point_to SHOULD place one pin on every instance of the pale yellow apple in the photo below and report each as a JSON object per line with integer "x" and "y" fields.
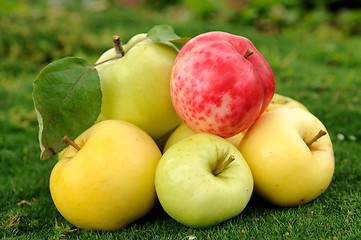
{"x": 60, "y": 154}
{"x": 203, "y": 180}
{"x": 109, "y": 182}
{"x": 136, "y": 87}
{"x": 288, "y": 169}
{"x": 182, "y": 131}
{"x": 279, "y": 101}
{"x": 236, "y": 139}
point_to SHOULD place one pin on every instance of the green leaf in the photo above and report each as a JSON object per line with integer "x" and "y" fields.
{"x": 162, "y": 33}
{"x": 67, "y": 99}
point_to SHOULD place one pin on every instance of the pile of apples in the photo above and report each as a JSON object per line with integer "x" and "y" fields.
{"x": 198, "y": 129}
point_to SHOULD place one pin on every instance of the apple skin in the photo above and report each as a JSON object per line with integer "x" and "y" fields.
{"x": 136, "y": 87}
{"x": 215, "y": 89}
{"x": 188, "y": 190}
{"x": 109, "y": 183}
{"x": 182, "y": 131}
{"x": 279, "y": 101}
{"x": 60, "y": 154}
{"x": 286, "y": 171}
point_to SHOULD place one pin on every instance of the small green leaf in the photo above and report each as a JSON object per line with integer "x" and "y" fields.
{"x": 162, "y": 33}
{"x": 67, "y": 99}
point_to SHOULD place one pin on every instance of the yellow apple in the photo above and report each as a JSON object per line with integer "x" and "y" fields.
{"x": 109, "y": 182}
{"x": 182, "y": 131}
{"x": 136, "y": 87}
{"x": 279, "y": 101}
{"x": 291, "y": 162}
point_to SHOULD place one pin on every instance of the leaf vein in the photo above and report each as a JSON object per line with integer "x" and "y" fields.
{"x": 63, "y": 101}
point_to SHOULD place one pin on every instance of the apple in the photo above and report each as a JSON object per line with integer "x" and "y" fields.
{"x": 163, "y": 140}
{"x": 220, "y": 83}
{"x": 279, "y": 100}
{"x": 236, "y": 139}
{"x": 136, "y": 86}
{"x": 203, "y": 180}
{"x": 109, "y": 182}
{"x": 182, "y": 131}
{"x": 290, "y": 155}
{"x": 60, "y": 154}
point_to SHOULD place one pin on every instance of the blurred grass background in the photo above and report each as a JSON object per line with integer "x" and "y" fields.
{"x": 313, "y": 48}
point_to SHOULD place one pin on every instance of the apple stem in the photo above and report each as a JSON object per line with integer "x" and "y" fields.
{"x": 70, "y": 142}
{"x": 315, "y": 138}
{"x": 118, "y": 46}
{"x": 248, "y": 53}
{"x": 119, "y": 51}
{"x": 221, "y": 165}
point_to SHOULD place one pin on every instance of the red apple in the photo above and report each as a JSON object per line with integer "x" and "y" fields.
{"x": 220, "y": 83}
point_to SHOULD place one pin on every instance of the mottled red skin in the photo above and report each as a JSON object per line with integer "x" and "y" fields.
{"x": 215, "y": 89}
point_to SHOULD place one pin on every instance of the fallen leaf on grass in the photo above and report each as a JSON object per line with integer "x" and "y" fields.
{"x": 23, "y": 202}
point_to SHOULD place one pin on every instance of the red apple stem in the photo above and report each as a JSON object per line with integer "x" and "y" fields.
{"x": 221, "y": 165}
{"x": 315, "y": 138}
{"x": 71, "y": 143}
{"x": 248, "y": 53}
{"x": 118, "y": 46}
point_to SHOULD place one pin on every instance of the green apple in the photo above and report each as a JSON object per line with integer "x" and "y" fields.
{"x": 136, "y": 87}
{"x": 163, "y": 140}
{"x": 203, "y": 180}
{"x": 182, "y": 131}
{"x": 279, "y": 101}
{"x": 109, "y": 182}
{"x": 290, "y": 155}
{"x": 60, "y": 154}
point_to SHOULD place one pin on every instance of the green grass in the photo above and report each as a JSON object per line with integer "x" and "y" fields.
{"x": 319, "y": 68}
